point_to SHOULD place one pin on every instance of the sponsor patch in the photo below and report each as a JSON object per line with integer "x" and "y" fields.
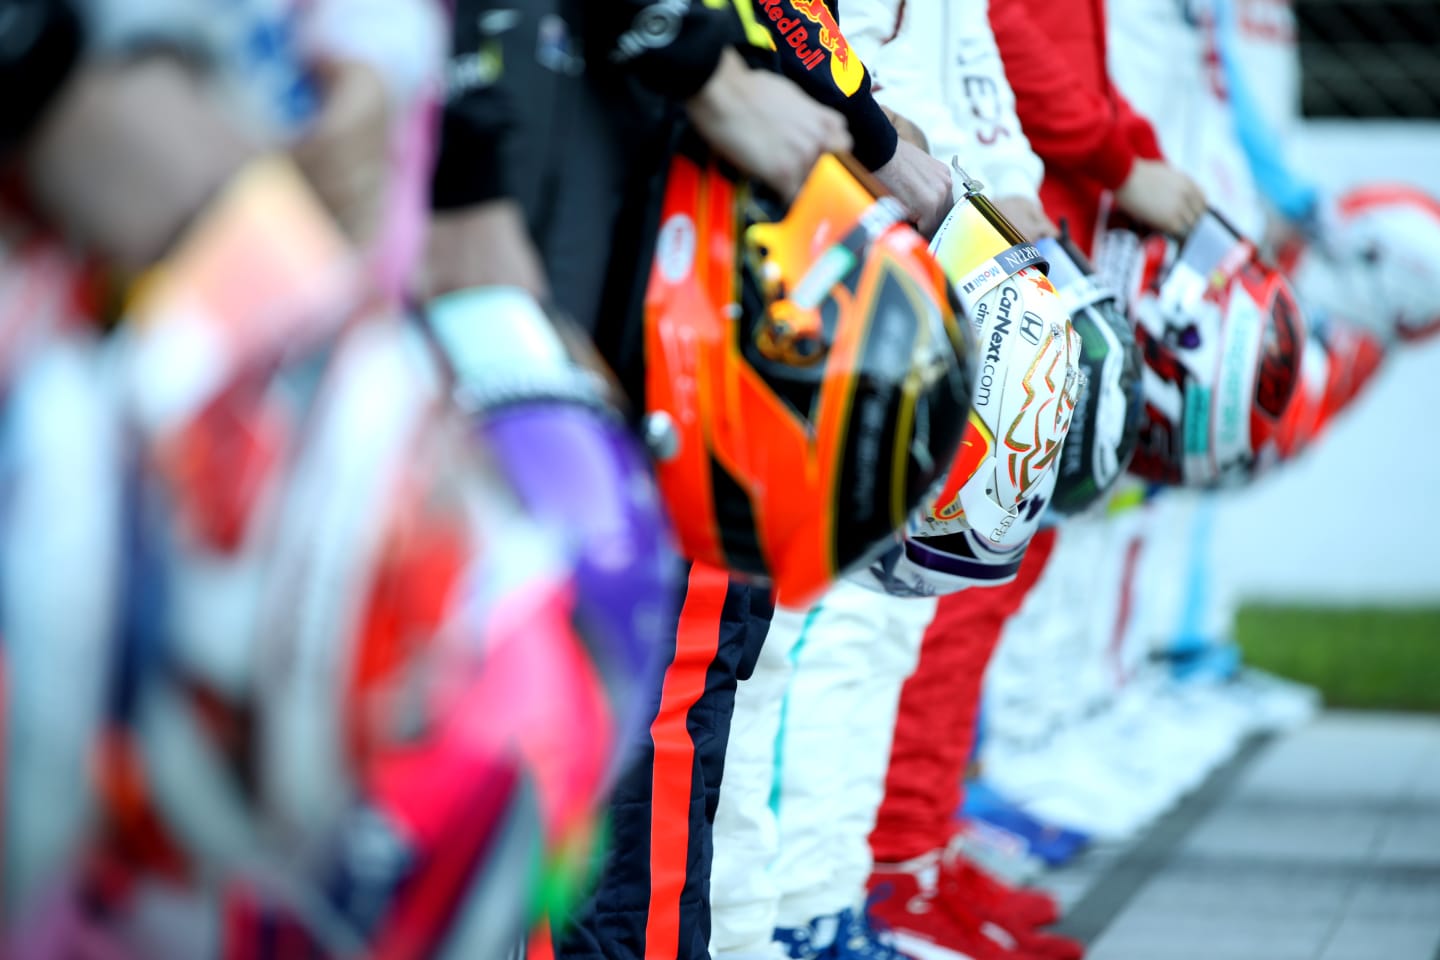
{"x": 675, "y": 248}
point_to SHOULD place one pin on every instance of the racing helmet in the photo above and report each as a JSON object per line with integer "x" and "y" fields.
{"x": 352, "y": 695}
{"x": 806, "y": 379}
{"x": 1223, "y": 340}
{"x": 1305, "y": 415}
{"x": 400, "y": 685}
{"x": 975, "y": 528}
{"x": 1028, "y": 377}
{"x": 936, "y": 566}
{"x": 1339, "y": 361}
{"x": 1379, "y": 263}
{"x": 1107, "y": 419}
{"x": 1354, "y": 355}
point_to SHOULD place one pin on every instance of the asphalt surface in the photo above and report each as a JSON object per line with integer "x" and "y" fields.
{"x": 1321, "y": 844}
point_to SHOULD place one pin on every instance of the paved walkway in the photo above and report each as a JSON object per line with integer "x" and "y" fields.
{"x": 1320, "y": 845}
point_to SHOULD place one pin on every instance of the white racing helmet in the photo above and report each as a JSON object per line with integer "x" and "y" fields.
{"x": 1378, "y": 264}
{"x": 1028, "y": 376}
{"x": 937, "y": 566}
{"x": 973, "y": 530}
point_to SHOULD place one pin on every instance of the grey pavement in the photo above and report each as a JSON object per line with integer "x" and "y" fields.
{"x": 1322, "y": 844}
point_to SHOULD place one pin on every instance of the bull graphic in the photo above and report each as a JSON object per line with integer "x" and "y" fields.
{"x": 845, "y": 67}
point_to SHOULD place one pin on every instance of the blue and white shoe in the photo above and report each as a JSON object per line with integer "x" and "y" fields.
{"x": 859, "y": 940}
{"x": 1052, "y": 844}
{"x": 813, "y": 941}
{"x": 1191, "y": 659}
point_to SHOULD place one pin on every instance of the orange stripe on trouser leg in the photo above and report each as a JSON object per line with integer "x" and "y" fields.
{"x": 697, "y": 640}
{"x": 541, "y": 945}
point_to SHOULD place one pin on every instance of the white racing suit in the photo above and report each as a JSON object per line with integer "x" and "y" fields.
{"x": 1067, "y": 650}
{"x": 935, "y": 62}
{"x": 1219, "y": 79}
{"x": 805, "y": 765}
{"x": 810, "y": 742}
{"x": 1164, "y": 57}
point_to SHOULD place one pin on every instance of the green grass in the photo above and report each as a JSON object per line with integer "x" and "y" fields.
{"x": 1375, "y": 658}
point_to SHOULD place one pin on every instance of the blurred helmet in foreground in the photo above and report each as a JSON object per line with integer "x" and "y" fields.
{"x": 806, "y": 378}
{"x": 546, "y": 411}
{"x": 348, "y": 702}
{"x": 1223, "y": 340}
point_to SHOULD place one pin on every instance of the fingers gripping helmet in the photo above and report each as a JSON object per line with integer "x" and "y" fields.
{"x": 806, "y": 379}
{"x": 1107, "y": 419}
{"x": 1027, "y": 380}
{"x": 1223, "y": 340}
{"x": 1379, "y": 265}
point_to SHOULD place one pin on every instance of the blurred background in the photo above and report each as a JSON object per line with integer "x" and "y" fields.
{"x": 1362, "y": 594}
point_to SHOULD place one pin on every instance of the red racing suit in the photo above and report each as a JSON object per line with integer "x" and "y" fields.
{"x": 1075, "y": 118}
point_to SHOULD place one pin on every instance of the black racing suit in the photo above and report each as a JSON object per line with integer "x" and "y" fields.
{"x": 578, "y": 126}
{"x": 570, "y": 108}
{"x": 40, "y": 42}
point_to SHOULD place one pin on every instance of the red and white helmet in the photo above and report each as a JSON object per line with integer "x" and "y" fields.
{"x": 1340, "y": 360}
{"x": 1379, "y": 263}
{"x": 1354, "y": 355}
{"x": 1305, "y": 416}
{"x": 1223, "y": 339}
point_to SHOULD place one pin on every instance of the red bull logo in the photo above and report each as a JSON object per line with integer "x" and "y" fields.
{"x": 845, "y": 68}
{"x": 974, "y": 450}
{"x": 1041, "y": 281}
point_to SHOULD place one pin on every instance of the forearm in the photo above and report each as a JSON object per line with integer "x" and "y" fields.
{"x": 1072, "y": 128}
{"x": 816, "y": 55}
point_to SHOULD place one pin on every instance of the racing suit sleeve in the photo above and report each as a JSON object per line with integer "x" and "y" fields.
{"x": 817, "y": 56}
{"x": 40, "y": 42}
{"x": 1002, "y": 156}
{"x": 1069, "y": 125}
{"x": 671, "y": 48}
{"x": 476, "y": 114}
